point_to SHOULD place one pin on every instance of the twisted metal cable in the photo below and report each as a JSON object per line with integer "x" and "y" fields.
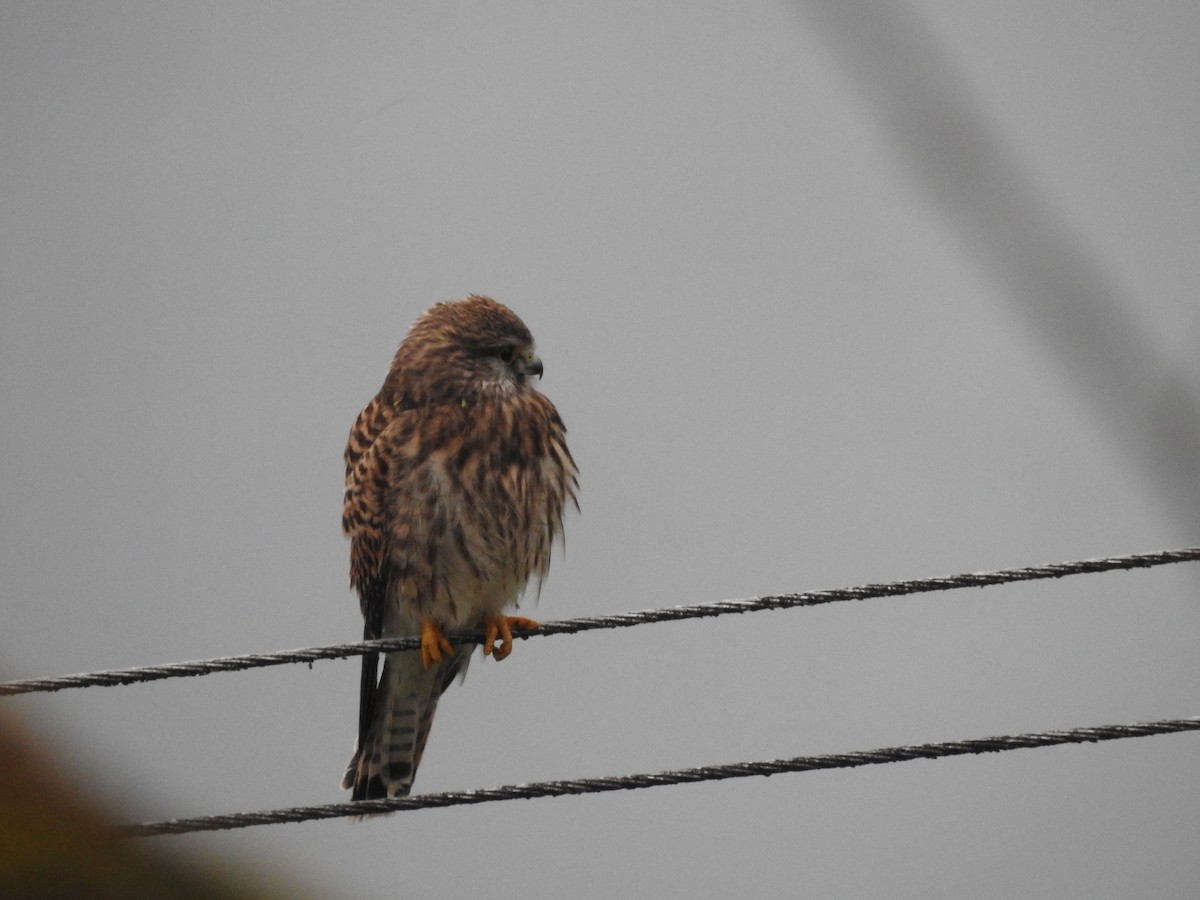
{"x": 677, "y": 776}
{"x": 620, "y": 620}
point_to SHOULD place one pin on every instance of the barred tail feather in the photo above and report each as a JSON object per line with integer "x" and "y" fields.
{"x": 385, "y": 763}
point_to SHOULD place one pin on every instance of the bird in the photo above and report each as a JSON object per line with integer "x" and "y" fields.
{"x": 457, "y": 479}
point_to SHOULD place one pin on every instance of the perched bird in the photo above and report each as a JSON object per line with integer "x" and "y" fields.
{"x": 457, "y": 475}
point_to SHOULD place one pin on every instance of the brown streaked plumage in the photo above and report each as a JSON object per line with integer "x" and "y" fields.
{"x": 457, "y": 475}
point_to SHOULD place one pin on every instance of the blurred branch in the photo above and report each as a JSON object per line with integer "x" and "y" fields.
{"x": 54, "y": 842}
{"x": 978, "y": 184}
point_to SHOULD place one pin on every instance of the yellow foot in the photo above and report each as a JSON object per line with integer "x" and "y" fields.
{"x": 501, "y": 627}
{"x": 434, "y": 646}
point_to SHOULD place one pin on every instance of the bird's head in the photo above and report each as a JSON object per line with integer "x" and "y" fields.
{"x": 465, "y": 349}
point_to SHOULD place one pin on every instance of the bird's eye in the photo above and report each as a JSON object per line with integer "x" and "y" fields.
{"x": 506, "y": 354}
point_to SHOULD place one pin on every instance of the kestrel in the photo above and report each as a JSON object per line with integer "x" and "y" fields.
{"x": 457, "y": 475}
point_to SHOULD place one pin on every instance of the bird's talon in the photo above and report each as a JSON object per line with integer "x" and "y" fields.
{"x": 434, "y": 646}
{"x": 500, "y": 628}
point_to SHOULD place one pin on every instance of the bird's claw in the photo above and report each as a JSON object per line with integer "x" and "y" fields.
{"x": 500, "y": 627}
{"x": 434, "y": 646}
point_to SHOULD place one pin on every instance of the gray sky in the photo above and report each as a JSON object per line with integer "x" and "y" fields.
{"x": 783, "y": 366}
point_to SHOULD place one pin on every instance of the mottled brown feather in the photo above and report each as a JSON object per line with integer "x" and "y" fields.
{"x": 457, "y": 475}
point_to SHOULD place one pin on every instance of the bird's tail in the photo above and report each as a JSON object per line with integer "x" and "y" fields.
{"x": 385, "y": 762}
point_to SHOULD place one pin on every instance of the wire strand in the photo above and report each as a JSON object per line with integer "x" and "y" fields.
{"x": 309, "y": 655}
{"x": 678, "y": 776}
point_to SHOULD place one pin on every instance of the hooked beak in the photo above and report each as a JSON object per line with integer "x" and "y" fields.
{"x": 533, "y": 366}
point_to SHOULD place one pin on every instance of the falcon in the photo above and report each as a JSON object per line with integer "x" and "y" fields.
{"x": 457, "y": 476}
